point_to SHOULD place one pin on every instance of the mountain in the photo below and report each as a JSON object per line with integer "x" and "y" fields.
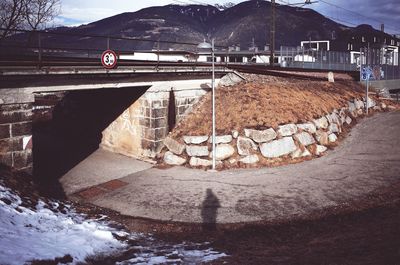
{"x": 244, "y": 24}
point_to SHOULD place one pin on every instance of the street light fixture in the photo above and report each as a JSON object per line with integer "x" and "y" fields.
{"x": 210, "y": 47}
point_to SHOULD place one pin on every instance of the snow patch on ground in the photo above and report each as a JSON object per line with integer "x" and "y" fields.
{"x": 44, "y": 232}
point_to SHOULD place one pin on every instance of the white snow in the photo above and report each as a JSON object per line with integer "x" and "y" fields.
{"x": 44, "y": 232}
{"x": 27, "y": 235}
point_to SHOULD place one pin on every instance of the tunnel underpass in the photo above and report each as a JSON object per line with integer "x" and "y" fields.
{"x": 69, "y": 128}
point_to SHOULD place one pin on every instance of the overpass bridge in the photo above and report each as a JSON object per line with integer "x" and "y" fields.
{"x": 162, "y": 91}
{"x": 167, "y": 89}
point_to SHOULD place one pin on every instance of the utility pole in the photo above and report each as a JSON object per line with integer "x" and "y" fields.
{"x": 272, "y": 35}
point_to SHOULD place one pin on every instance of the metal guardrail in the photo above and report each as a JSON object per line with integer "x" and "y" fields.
{"x": 44, "y": 49}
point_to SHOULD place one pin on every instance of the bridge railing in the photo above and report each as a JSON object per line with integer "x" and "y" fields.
{"x": 61, "y": 43}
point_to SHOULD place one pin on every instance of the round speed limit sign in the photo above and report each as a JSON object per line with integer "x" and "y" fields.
{"x": 109, "y": 59}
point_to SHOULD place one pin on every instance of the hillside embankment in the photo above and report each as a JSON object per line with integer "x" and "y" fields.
{"x": 267, "y": 121}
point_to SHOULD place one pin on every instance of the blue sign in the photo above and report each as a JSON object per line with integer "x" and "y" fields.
{"x": 366, "y": 73}
{"x": 371, "y": 73}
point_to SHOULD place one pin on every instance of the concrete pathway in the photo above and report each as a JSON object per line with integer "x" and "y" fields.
{"x": 98, "y": 168}
{"x": 368, "y": 159}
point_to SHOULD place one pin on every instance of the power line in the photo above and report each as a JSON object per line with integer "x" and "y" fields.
{"x": 347, "y": 10}
{"x": 359, "y": 14}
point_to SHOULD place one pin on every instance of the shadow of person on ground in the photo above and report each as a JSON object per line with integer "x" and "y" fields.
{"x": 209, "y": 211}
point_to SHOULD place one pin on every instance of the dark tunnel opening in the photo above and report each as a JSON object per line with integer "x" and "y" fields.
{"x": 69, "y": 131}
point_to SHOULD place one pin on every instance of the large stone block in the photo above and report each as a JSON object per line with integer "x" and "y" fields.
{"x": 15, "y": 116}
{"x": 245, "y": 146}
{"x": 153, "y": 123}
{"x": 348, "y": 120}
{"x": 159, "y": 113}
{"x": 320, "y": 149}
{"x": 6, "y": 159}
{"x": 223, "y": 151}
{"x": 307, "y": 127}
{"x": 278, "y": 148}
{"x": 352, "y": 106}
{"x": 321, "y": 123}
{"x": 20, "y": 129}
{"x": 250, "y": 159}
{"x": 152, "y": 146}
{"x": 174, "y": 146}
{"x": 359, "y": 104}
{"x": 195, "y": 139}
{"x": 334, "y": 128}
{"x": 304, "y": 138}
{"x": 261, "y": 136}
{"x": 235, "y": 134}
{"x": 156, "y": 104}
{"x": 159, "y": 123}
{"x": 298, "y": 153}
{"x": 287, "y": 130}
{"x": 11, "y": 145}
{"x": 230, "y": 79}
{"x": 322, "y": 137}
{"x": 174, "y": 160}
{"x": 335, "y": 118}
{"x": 194, "y": 150}
{"x": 332, "y": 138}
{"x": 222, "y": 139}
{"x": 154, "y": 134}
{"x": 198, "y": 162}
{"x": 15, "y": 107}
{"x": 23, "y": 159}
{"x": 5, "y": 131}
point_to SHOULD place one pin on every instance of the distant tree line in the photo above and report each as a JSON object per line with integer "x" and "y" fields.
{"x": 26, "y": 14}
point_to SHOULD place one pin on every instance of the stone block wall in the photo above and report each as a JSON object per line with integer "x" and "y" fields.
{"x": 184, "y": 101}
{"x": 252, "y": 146}
{"x": 16, "y": 136}
{"x": 140, "y": 130}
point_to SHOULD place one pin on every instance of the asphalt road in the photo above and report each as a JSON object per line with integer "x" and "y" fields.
{"x": 367, "y": 160}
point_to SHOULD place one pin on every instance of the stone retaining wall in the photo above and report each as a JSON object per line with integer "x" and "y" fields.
{"x": 140, "y": 130}
{"x": 16, "y": 136}
{"x": 289, "y": 141}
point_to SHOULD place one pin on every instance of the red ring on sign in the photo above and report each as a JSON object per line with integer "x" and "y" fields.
{"x": 103, "y": 59}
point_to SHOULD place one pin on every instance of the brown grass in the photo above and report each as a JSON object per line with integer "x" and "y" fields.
{"x": 264, "y": 102}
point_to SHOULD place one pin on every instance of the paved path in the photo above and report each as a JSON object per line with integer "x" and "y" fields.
{"x": 368, "y": 159}
{"x": 100, "y": 167}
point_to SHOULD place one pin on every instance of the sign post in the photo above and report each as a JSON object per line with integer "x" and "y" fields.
{"x": 366, "y": 96}
{"x": 366, "y": 73}
{"x": 109, "y": 59}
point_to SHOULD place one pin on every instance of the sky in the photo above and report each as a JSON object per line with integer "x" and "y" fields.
{"x": 349, "y": 12}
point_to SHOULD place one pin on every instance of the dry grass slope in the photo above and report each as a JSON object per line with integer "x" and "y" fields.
{"x": 265, "y": 102}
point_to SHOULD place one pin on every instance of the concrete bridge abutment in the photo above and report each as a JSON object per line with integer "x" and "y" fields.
{"x": 16, "y": 117}
{"x": 140, "y": 130}
{"x": 137, "y": 132}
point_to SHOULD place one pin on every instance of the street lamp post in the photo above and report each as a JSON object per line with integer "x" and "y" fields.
{"x": 208, "y": 46}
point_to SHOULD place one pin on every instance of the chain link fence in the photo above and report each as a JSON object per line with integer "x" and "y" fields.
{"x": 318, "y": 59}
{"x": 382, "y": 64}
